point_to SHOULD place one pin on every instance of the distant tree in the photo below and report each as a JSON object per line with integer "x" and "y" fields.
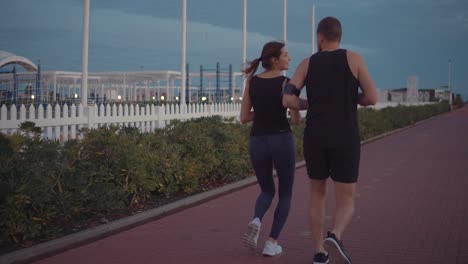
{"x": 30, "y": 129}
{"x": 458, "y": 101}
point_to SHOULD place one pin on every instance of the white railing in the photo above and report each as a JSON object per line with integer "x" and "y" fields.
{"x": 63, "y": 122}
{"x": 381, "y": 105}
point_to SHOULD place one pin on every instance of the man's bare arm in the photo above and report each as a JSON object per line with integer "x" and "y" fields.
{"x": 369, "y": 92}
{"x": 295, "y": 116}
{"x": 291, "y": 100}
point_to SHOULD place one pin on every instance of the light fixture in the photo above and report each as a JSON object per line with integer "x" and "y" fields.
{"x": 32, "y": 96}
{"x": 177, "y": 98}
{"x": 162, "y": 97}
{"x": 203, "y": 98}
{"x": 232, "y": 98}
{"x": 240, "y": 98}
{"x": 119, "y": 97}
{"x": 76, "y": 95}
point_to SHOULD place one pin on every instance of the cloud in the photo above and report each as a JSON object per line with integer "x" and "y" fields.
{"x": 365, "y": 51}
{"x": 462, "y": 20}
{"x": 364, "y": 5}
{"x": 125, "y": 41}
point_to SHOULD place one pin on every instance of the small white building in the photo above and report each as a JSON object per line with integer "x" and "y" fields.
{"x": 412, "y": 94}
{"x": 441, "y": 95}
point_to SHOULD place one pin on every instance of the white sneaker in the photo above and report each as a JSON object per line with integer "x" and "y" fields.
{"x": 250, "y": 238}
{"x": 272, "y": 249}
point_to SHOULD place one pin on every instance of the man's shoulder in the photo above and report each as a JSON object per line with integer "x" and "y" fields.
{"x": 353, "y": 55}
{"x": 305, "y": 62}
{"x": 355, "y": 62}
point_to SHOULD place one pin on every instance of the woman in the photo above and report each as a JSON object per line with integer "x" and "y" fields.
{"x": 271, "y": 141}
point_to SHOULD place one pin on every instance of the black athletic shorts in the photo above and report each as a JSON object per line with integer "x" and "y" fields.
{"x": 338, "y": 161}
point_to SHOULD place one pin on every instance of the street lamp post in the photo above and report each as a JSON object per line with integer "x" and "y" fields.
{"x": 184, "y": 45}
{"x": 84, "y": 77}
{"x": 244, "y": 42}
{"x": 313, "y": 28}
{"x": 450, "y": 81}
{"x": 285, "y": 25}
{"x": 285, "y": 19}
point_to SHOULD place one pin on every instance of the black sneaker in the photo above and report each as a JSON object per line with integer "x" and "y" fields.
{"x": 335, "y": 249}
{"x": 320, "y": 258}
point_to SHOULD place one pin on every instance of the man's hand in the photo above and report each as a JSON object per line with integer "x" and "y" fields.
{"x": 294, "y": 102}
{"x": 291, "y": 100}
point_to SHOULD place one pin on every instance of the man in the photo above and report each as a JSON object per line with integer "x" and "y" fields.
{"x": 332, "y": 78}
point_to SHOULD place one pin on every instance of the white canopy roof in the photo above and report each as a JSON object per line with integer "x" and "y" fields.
{"x": 9, "y": 58}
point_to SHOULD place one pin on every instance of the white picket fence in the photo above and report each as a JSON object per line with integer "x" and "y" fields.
{"x": 63, "y": 122}
{"x": 381, "y": 105}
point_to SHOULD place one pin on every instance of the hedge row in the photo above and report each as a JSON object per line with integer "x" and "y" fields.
{"x": 46, "y": 187}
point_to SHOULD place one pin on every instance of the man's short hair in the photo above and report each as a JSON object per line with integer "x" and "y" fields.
{"x": 330, "y": 28}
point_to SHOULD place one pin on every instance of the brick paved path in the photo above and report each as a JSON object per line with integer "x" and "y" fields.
{"x": 412, "y": 207}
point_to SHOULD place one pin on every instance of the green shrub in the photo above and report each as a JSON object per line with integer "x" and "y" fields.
{"x": 372, "y": 123}
{"x": 47, "y": 187}
{"x": 298, "y": 133}
{"x": 110, "y": 161}
{"x": 458, "y": 102}
{"x": 30, "y": 178}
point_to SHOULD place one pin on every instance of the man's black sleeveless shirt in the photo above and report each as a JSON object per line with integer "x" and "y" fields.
{"x": 332, "y": 93}
{"x": 266, "y": 98}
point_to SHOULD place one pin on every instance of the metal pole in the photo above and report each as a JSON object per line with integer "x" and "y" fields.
{"x": 187, "y": 85}
{"x": 285, "y": 26}
{"x": 244, "y": 35}
{"x": 450, "y": 81}
{"x": 15, "y": 85}
{"x": 101, "y": 93}
{"x": 124, "y": 88}
{"x": 244, "y": 42}
{"x": 218, "y": 91}
{"x": 231, "y": 92}
{"x": 200, "y": 95}
{"x": 285, "y": 18}
{"x": 38, "y": 91}
{"x": 313, "y": 28}
{"x": 184, "y": 43}
{"x": 84, "y": 70}
{"x": 54, "y": 99}
{"x": 168, "y": 92}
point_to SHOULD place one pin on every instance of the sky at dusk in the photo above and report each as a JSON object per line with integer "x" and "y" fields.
{"x": 396, "y": 38}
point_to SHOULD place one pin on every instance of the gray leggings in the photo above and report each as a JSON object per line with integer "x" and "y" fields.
{"x": 277, "y": 149}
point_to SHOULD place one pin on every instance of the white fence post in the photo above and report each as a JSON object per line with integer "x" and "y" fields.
{"x": 22, "y": 117}
{"x": 40, "y": 117}
{"x": 32, "y": 112}
{"x": 3, "y": 117}
{"x": 13, "y": 117}
{"x": 161, "y": 122}
{"x": 66, "y": 116}
{"x": 62, "y": 123}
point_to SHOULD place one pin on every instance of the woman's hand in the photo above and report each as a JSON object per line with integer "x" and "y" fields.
{"x": 295, "y": 116}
